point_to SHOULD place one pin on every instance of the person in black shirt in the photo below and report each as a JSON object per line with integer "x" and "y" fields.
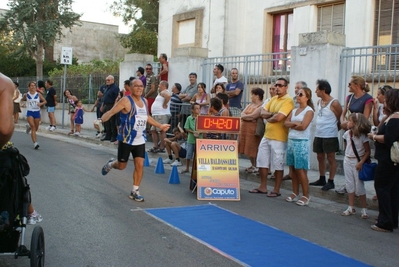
{"x": 51, "y": 99}
{"x": 110, "y": 96}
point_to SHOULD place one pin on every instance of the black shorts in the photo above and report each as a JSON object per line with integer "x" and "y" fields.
{"x": 124, "y": 151}
{"x": 325, "y": 145}
{"x": 182, "y": 153}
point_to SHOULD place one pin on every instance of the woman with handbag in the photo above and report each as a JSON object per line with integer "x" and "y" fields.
{"x": 357, "y": 152}
{"x": 298, "y": 146}
{"x": 386, "y": 179}
{"x": 248, "y": 139}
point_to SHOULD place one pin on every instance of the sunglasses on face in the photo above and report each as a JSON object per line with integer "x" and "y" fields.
{"x": 300, "y": 95}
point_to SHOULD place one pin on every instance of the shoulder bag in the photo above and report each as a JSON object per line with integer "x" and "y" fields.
{"x": 395, "y": 152}
{"x": 368, "y": 169}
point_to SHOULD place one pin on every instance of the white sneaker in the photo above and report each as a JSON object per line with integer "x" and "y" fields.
{"x": 364, "y": 214}
{"x": 176, "y": 163}
{"x": 167, "y": 161}
{"x": 27, "y": 128}
{"x": 34, "y": 218}
{"x": 52, "y": 128}
{"x": 76, "y": 134}
{"x": 36, "y": 145}
{"x": 48, "y": 128}
{"x": 348, "y": 211}
{"x": 99, "y": 135}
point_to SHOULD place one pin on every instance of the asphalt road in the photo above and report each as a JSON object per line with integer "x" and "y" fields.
{"x": 89, "y": 220}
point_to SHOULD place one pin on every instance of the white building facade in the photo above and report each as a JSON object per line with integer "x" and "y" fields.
{"x": 267, "y": 39}
{"x": 236, "y": 27}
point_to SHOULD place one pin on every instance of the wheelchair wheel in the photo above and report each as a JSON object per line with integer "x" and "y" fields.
{"x": 37, "y": 249}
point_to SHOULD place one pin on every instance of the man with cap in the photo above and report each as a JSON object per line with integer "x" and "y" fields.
{"x": 140, "y": 75}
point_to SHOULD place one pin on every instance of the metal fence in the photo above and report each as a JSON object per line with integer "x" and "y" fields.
{"x": 254, "y": 70}
{"x": 379, "y": 65}
{"x": 84, "y": 87}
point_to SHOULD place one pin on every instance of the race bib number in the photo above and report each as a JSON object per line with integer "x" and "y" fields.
{"x": 140, "y": 123}
{"x": 33, "y": 104}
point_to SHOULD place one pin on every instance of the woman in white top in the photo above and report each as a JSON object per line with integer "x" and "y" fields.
{"x": 34, "y": 101}
{"x": 298, "y": 146}
{"x": 17, "y": 99}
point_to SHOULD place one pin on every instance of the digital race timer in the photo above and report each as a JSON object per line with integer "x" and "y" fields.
{"x": 218, "y": 124}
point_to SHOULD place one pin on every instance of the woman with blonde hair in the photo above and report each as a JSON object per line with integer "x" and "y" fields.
{"x": 34, "y": 101}
{"x": 359, "y": 101}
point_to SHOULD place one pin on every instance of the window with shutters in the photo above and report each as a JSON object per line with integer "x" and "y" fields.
{"x": 331, "y": 17}
{"x": 386, "y": 22}
{"x": 386, "y": 33}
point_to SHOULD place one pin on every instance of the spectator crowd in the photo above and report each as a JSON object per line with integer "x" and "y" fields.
{"x": 275, "y": 132}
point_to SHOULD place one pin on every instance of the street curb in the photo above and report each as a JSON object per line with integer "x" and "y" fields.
{"x": 286, "y": 184}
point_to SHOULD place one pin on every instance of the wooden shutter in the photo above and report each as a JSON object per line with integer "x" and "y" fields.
{"x": 331, "y": 18}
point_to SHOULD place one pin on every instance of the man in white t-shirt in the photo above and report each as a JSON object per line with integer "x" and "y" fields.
{"x": 325, "y": 143}
{"x": 218, "y": 73}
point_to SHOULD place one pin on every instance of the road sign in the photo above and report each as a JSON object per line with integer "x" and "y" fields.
{"x": 66, "y": 55}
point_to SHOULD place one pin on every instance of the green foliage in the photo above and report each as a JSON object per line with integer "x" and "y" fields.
{"x": 142, "y": 41}
{"x": 35, "y": 23}
{"x": 144, "y": 14}
{"x": 95, "y": 67}
{"x": 13, "y": 66}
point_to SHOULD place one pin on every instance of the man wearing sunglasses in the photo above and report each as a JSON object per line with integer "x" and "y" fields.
{"x": 272, "y": 148}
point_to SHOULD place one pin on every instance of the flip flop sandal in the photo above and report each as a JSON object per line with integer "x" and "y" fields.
{"x": 274, "y": 194}
{"x": 256, "y": 191}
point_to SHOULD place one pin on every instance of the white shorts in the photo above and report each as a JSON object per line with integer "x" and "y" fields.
{"x": 352, "y": 182}
{"x": 271, "y": 154}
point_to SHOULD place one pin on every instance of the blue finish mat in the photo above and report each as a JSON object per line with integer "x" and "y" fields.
{"x": 246, "y": 241}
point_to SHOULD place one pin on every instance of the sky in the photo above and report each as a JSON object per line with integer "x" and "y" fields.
{"x": 92, "y": 10}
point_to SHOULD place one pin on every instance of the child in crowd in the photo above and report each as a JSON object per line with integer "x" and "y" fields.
{"x": 192, "y": 135}
{"x": 355, "y": 138}
{"x": 177, "y": 144}
{"x": 78, "y": 116}
{"x": 216, "y": 109}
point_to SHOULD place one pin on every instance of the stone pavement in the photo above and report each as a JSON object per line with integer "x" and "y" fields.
{"x": 89, "y": 135}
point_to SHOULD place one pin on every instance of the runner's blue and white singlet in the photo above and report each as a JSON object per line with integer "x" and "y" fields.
{"x": 133, "y": 124}
{"x": 32, "y": 102}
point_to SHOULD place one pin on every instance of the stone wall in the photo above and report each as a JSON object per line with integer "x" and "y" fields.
{"x": 91, "y": 41}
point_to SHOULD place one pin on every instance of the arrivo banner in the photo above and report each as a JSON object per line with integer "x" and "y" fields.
{"x": 217, "y": 170}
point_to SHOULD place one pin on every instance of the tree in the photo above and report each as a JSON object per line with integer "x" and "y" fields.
{"x": 144, "y": 14}
{"x": 37, "y": 24}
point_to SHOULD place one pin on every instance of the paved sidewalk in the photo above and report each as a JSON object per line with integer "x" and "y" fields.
{"x": 89, "y": 135}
